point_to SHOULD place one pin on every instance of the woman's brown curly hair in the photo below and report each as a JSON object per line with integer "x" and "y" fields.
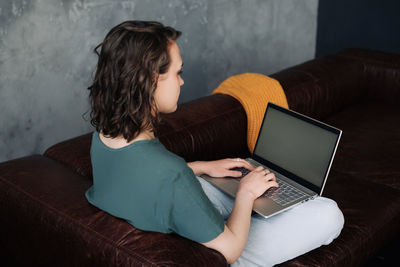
{"x": 132, "y": 56}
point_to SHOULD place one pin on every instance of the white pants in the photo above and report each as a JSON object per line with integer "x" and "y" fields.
{"x": 286, "y": 235}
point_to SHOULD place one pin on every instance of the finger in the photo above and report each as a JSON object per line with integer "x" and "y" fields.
{"x": 234, "y": 173}
{"x": 243, "y": 164}
{"x": 272, "y": 184}
{"x": 266, "y": 171}
{"x": 248, "y": 165}
{"x": 270, "y": 177}
{"x": 259, "y": 169}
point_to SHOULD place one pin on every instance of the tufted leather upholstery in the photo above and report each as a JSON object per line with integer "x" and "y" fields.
{"x": 47, "y": 221}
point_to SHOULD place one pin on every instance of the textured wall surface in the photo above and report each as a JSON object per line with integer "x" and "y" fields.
{"x": 47, "y": 59}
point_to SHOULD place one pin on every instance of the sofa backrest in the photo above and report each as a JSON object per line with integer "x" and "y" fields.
{"x": 215, "y": 126}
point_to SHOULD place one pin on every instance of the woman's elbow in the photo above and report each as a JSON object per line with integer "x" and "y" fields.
{"x": 232, "y": 260}
{"x": 229, "y": 255}
{"x": 227, "y": 245}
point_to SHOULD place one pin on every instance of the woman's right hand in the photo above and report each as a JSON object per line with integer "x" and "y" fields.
{"x": 232, "y": 241}
{"x": 257, "y": 182}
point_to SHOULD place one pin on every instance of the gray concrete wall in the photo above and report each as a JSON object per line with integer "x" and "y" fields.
{"x": 47, "y": 59}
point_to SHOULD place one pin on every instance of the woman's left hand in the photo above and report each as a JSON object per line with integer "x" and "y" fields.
{"x": 220, "y": 168}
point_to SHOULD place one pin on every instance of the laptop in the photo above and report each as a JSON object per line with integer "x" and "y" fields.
{"x": 299, "y": 150}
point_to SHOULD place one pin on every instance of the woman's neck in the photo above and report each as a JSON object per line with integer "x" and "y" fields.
{"x": 120, "y": 141}
{"x": 145, "y": 135}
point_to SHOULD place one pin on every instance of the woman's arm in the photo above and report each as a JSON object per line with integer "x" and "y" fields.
{"x": 231, "y": 242}
{"x": 220, "y": 168}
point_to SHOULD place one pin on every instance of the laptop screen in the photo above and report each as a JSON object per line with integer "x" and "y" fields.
{"x": 297, "y": 144}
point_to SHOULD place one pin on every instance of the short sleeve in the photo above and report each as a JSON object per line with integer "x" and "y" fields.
{"x": 193, "y": 215}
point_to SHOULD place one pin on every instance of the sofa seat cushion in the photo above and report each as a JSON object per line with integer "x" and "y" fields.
{"x": 371, "y": 213}
{"x": 46, "y": 207}
{"x": 45, "y": 203}
{"x": 369, "y": 148}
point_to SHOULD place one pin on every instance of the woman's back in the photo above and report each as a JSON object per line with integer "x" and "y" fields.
{"x": 151, "y": 188}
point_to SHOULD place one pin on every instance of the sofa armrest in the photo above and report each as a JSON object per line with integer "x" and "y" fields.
{"x": 208, "y": 128}
{"x": 323, "y": 86}
{"x": 381, "y": 73}
{"x": 74, "y": 153}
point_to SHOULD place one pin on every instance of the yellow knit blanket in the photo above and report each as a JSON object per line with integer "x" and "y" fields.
{"x": 253, "y": 91}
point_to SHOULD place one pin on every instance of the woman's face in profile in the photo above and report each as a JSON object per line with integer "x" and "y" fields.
{"x": 169, "y": 84}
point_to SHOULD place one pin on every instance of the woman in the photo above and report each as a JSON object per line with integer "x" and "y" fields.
{"x": 135, "y": 178}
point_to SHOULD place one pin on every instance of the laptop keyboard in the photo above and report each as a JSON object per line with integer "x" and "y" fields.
{"x": 243, "y": 170}
{"x": 282, "y": 195}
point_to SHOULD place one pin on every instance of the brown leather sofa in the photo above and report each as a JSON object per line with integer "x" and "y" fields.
{"x": 46, "y": 220}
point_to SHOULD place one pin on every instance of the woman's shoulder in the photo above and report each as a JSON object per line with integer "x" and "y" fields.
{"x": 169, "y": 159}
{"x": 152, "y": 151}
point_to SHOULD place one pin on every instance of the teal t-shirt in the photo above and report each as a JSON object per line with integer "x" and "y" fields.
{"x": 153, "y": 189}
